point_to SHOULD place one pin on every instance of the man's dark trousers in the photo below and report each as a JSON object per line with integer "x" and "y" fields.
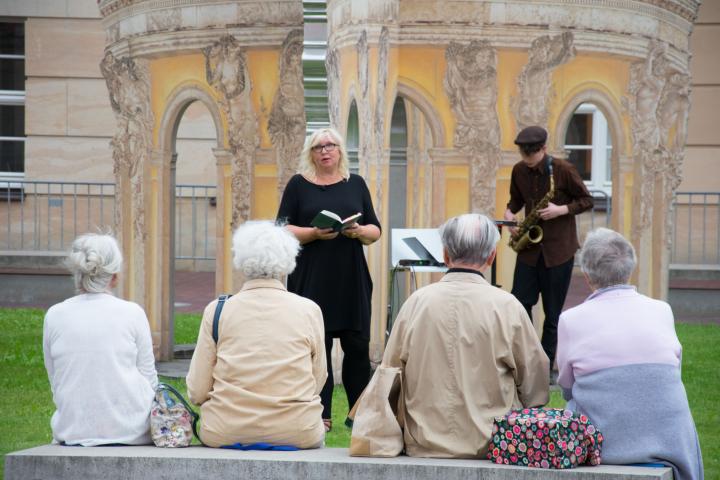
{"x": 553, "y": 284}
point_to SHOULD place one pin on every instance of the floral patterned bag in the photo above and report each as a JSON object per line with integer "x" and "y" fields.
{"x": 172, "y": 421}
{"x": 545, "y": 438}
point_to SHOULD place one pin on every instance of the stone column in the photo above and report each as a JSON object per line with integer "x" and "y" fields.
{"x": 161, "y": 250}
{"x": 226, "y": 71}
{"x": 128, "y": 83}
{"x": 223, "y": 211}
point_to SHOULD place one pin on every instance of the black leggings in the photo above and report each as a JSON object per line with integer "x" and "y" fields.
{"x": 355, "y": 367}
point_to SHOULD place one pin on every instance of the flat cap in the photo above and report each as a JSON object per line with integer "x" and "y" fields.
{"x": 531, "y": 135}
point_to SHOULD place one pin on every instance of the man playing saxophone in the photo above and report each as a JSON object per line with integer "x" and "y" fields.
{"x": 545, "y": 258}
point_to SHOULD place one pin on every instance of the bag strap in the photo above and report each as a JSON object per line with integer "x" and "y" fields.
{"x": 181, "y": 399}
{"x": 216, "y": 318}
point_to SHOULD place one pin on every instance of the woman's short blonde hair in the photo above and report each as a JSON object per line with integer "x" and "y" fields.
{"x": 262, "y": 249}
{"x": 307, "y": 166}
{"x": 93, "y": 260}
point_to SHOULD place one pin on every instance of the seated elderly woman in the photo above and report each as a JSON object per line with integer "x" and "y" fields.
{"x": 261, "y": 382}
{"x": 619, "y": 363}
{"x": 98, "y": 354}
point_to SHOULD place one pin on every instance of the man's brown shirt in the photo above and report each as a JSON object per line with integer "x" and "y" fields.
{"x": 528, "y": 186}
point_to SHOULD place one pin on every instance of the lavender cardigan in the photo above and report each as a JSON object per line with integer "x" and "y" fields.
{"x": 619, "y": 363}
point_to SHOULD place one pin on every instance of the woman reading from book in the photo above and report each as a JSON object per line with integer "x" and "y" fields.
{"x": 331, "y": 268}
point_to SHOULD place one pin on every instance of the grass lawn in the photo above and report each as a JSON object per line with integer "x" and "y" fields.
{"x": 27, "y": 405}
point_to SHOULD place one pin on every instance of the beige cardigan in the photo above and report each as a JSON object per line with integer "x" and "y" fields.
{"x": 261, "y": 383}
{"x": 468, "y": 353}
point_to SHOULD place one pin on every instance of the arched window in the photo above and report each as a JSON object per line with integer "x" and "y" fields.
{"x": 352, "y": 140}
{"x": 397, "y": 195}
{"x": 589, "y": 144}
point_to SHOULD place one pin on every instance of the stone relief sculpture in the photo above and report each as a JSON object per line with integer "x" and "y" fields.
{"x": 158, "y": 20}
{"x": 226, "y": 71}
{"x": 129, "y": 86}
{"x": 647, "y": 81}
{"x": 363, "y": 103}
{"x": 534, "y": 82}
{"x": 286, "y": 124}
{"x": 673, "y": 113}
{"x": 332, "y": 67}
{"x": 380, "y": 158}
{"x": 471, "y": 86}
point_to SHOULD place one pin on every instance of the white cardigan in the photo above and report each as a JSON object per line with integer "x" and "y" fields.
{"x": 99, "y": 358}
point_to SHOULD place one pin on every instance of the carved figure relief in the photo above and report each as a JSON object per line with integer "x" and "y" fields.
{"x": 169, "y": 19}
{"x": 647, "y": 81}
{"x": 471, "y": 86}
{"x": 286, "y": 124}
{"x": 380, "y": 157}
{"x": 226, "y": 71}
{"x": 128, "y": 85}
{"x": 673, "y": 113}
{"x": 363, "y": 103}
{"x": 534, "y": 82}
{"x": 332, "y": 67}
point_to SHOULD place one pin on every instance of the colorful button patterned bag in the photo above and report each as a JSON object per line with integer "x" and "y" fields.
{"x": 545, "y": 438}
{"x": 172, "y": 421}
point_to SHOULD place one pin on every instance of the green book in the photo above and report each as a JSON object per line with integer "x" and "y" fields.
{"x": 328, "y": 219}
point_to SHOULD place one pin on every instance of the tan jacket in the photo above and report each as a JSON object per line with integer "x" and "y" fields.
{"x": 262, "y": 381}
{"x": 468, "y": 353}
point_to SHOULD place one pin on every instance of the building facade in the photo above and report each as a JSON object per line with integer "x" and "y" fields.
{"x": 429, "y": 94}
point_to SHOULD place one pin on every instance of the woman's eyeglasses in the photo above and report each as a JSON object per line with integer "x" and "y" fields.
{"x": 328, "y": 147}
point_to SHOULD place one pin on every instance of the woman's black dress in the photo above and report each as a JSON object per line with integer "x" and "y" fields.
{"x": 332, "y": 273}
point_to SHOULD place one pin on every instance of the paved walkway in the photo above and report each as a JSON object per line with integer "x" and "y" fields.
{"x": 194, "y": 290}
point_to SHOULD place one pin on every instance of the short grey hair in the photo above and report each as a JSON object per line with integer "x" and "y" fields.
{"x": 306, "y": 166}
{"x": 470, "y": 238}
{"x": 262, "y": 249}
{"x": 93, "y": 260}
{"x": 607, "y": 258}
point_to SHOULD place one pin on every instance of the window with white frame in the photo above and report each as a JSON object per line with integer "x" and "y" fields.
{"x": 12, "y": 99}
{"x": 589, "y": 145}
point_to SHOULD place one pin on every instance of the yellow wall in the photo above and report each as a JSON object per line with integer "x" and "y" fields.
{"x": 423, "y": 69}
{"x": 171, "y": 74}
{"x": 265, "y": 201}
{"x": 510, "y": 64}
{"x": 263, "y": 68}
{"x": 605, "y": 74}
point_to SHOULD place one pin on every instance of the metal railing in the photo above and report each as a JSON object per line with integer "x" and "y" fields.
{"x": 195, "y": 222}
{"x": 598, "y": 216}
{"x": 696, "y": 228}
{"x": 48, "y": 215}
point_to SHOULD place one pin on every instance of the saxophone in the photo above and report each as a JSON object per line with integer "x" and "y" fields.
{"x": 528, "y": 231}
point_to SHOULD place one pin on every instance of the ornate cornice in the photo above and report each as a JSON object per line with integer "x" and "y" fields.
{"x": 127, "y": 8}
{"x": 185, "y": 42}
{"x": 686, "y": 9}
{"x": 148, "y": 27}
{"x": 513, "y": 37}
{"x": 516, "y": 23}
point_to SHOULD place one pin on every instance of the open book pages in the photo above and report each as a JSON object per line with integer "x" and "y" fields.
{"x": 328, "y": 219}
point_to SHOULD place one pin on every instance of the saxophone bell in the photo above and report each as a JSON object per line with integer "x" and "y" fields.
{"x": 533, "y": 235}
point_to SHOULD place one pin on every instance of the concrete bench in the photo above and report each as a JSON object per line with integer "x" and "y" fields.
{"x": 109, "y": 463}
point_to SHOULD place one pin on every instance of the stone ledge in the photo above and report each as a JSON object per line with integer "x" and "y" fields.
{"x": 109, "y": 463}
